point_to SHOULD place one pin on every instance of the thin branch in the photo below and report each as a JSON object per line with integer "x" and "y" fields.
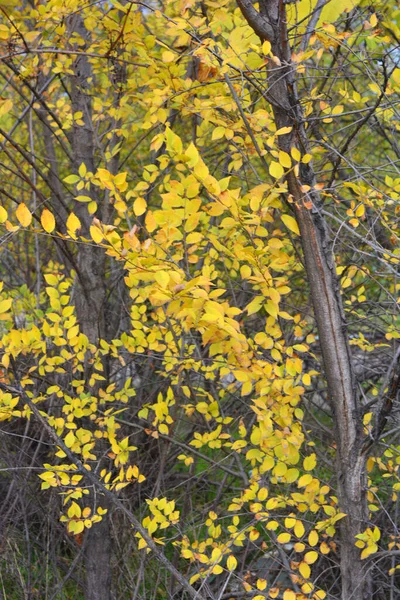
{"x": 93, "y": 479}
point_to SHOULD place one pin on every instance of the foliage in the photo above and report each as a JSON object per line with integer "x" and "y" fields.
{"x": 206, "y": 373}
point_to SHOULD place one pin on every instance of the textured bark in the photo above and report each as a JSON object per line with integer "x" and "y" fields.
{"x": 90, "y": 296}
{"x": 98, "y": 553}
{"x": 325, "y": 293}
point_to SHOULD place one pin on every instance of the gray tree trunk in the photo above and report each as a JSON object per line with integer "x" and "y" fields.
{"x": 270, "y": 24}
{"x": 90, "y": 299}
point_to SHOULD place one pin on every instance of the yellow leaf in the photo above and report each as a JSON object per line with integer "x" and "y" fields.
{"x": 373, "y": 20}
{"x": 217, "y": 570}
{"x": 304, "y": 570}
{"x": 291, "y": 475}
{"x": 360, "y": 210}
{"x": 96, "y": 234}
{"x": 285, "y": 159}
{"x": 267, "y": 464}
{"x": 47, "y": 220}
{"x": 261, "y": 584}
{"x": 295, "y": 154}
{"x": 310, "y": 462}
{"x": 263, "y": 494}
{"x": 69, "y": 439}
{"x": 299, "y": 529}
{"x": 173, "y": 142}
{"x": 194, "y": 238}
{"x": 105, "y": 178}
{"x": 289, "y": 595}
{"x": 193, "y": 155}
{"x": 290, "y": 522}
{"x": 5, "y": 305}
{"x": 311, "y": 557}
{"x": 283, "y": 538}
{"x": 83, "y": 198}
{"x": 280, "y": 469}
{"x": 376, "y": 534}
{"x": 284, "y": 131}
{"x": 5, "y": 107}
{"x": 139, "y": 206}
{"x": 23, "y": 215}
{"x": 73, "y": 224}
{"x": 168, "y": 56}
{"x": 120, "y": 181}
{"x": 74, "y": 511}
{"x": 291, "y": 224}
{"x": 272, "y": 309}
{"x": 71, "y": 179}
{"x": 374, "y": 87}
{"x": 304, "y": 480}
{"x": 3, "y": 215}
{"x": 313, "y": 538}
{"x": 245, "y": 271}
{"x": 255, "y": 305}
{"x": 276, "y": 170}
{"x": 218, "y": 133}
{"x": 272, "y": 525}
{"x": 150, "y": 222}
{"x": 76, "y": 527}
{"x": 266, "y": 47}
{"x": 162, "y": 278}
{"x": 368, "y": 551}
{"x": 231, "y": 563}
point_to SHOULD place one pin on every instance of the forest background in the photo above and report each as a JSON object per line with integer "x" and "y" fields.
{"x": 199, "y": 301}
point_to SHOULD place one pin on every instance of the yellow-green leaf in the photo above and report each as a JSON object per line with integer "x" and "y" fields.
{"x": 5, "y": 305}
{"x": 291, "y": 224}
{"x": 276, "y": 170}
{"x": 71, "y": 179}
{"x": 218, "y": 133}
{"x": 173, "y": 142}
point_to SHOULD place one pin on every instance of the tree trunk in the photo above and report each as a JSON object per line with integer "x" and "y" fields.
{"x": 98, "y": 552}
{"x": 90, "y": 298}
{"x": 270, "y": 24}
